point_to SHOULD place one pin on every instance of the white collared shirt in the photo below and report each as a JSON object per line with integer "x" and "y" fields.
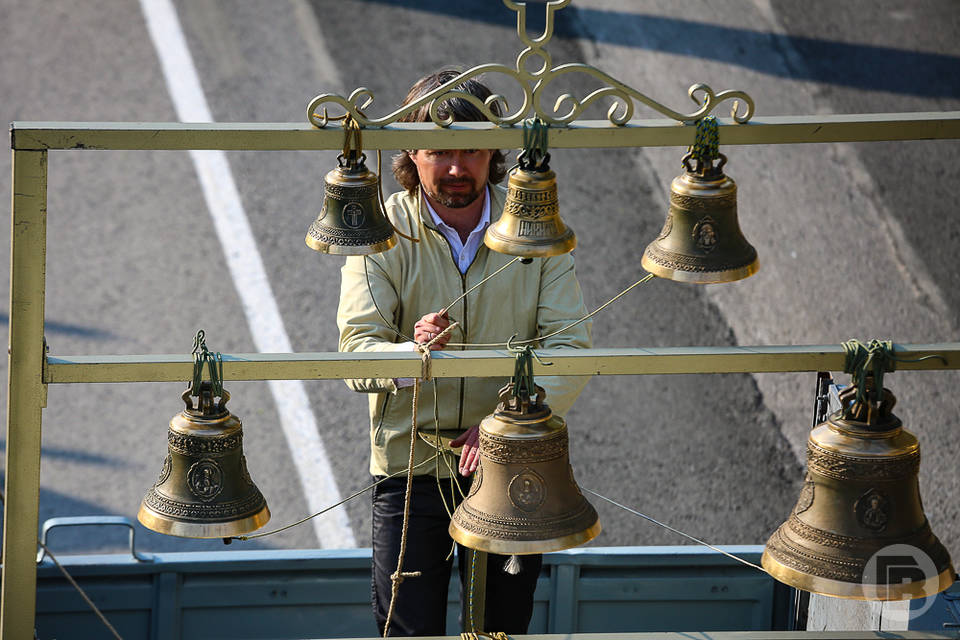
{"x": 463, "y": 255}
{"x": 463, "y": 252}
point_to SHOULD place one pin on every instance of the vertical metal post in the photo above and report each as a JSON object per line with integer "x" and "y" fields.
{"x": 26, "y": 393}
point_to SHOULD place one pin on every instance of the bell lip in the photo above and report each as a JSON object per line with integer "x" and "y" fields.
{"x": 351, "y": 250}
{"x": 856, "y": 590}
{"x": 510, "y": 247}
{"x": 700, "y": 277}
{"x": 163, "y": 524}
{"x": 525, "y": 547}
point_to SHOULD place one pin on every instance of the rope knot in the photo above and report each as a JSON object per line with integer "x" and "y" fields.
{"x": 397, "y": 577}
{"x": 424, "y": 350}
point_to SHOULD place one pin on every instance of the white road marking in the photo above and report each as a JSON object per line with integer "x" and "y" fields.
{"x": 243, "y": 259}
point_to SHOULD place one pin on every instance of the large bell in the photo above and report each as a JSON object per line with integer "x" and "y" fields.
{"x": 352, "y": 221}
{"x": 204, "y": 489}
{"x": 858, "y": 530}
{"x": 524, "y": 498}
{"x": 530, "y": 226}
{"x": 701, "y": 241}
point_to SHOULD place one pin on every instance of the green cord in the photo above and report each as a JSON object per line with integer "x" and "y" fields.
{"x": 214, "y": 363}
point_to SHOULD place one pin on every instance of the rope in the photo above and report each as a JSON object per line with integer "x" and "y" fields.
{"x": 214, "y": 362}
{"x": 534, "y": 156}
{"x": 399, "y": 575}
{"x": 669, "y": 528}
{"x": 876, "y": 358}
{"x": 706, "y": 144}
{"x": 73, "y": 583}
{"x": 606, "y": 304}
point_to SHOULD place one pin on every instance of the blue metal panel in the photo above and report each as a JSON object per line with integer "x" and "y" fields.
{"x": 316, "y": 593}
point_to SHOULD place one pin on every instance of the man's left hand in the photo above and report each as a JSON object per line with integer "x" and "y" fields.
{"x": 470, "y": 454}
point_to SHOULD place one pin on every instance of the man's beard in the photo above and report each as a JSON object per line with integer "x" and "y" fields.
{"x": 456, "y": 200}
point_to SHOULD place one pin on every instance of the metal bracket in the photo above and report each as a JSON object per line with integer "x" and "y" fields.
{"x": 74, "y": 521}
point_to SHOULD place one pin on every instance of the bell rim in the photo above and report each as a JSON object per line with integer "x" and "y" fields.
{"x": 856, "y": 590}
{"x": 509, "y": 246}
{"x": 524, "y": 547}
{"x": 164, "y": 524}
{"x": 351, "y": 250}
{"x": 700, "y": 277}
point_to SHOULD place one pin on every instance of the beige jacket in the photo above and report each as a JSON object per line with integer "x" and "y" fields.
{"x": 411, "y": 280}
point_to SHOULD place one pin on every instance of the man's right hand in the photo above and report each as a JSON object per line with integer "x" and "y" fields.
{"x": 429, "y": 327}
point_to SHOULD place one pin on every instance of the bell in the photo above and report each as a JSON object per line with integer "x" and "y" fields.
{"x": 701, "y": 241}
{"x": 523, "y": 498}
{"x": 858, "y": 529}
{"x": 352, "y": 221}
{"x": 530, "y": 225}
{"x": 204, "y": 489}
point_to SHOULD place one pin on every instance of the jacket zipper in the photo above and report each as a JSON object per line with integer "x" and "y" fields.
{"x": 463, "y": 321}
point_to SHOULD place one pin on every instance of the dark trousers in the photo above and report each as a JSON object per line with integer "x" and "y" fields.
{"x": 421, "y": 608}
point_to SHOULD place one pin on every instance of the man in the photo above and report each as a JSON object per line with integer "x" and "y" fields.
{"x": 447, "y": 204}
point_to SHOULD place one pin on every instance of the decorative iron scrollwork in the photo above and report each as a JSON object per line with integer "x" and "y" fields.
{"x": 566, "y": 109}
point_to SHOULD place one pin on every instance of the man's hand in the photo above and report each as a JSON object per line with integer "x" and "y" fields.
{"x": 429, "y": 327}
{"x": 470, "y": 455}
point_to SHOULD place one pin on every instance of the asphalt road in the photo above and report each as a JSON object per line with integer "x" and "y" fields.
{"x": 855, "y": 240}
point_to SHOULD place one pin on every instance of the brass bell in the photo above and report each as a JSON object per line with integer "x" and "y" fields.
{"x": 701, "y": 241}
{"x": 204, "y": 489}
{"x": 530, "y": 226}
{"x": 524, "y": 498}
{"x": 352, "y": 221}
{"x": 858, "y": 529}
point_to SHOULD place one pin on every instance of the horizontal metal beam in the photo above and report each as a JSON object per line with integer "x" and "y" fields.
{"x": 487, "y": 363}
{"x": 239, "y": 136}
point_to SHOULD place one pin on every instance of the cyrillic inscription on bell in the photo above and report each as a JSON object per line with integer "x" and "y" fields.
{"x": 204, "y": 489}
{"x": 524, "y": 498}
{"x": 701, "y": 241}
{"x": 530, "y": 225}
{"x": 351, "y": 221}
{"x": 858, "y": 529}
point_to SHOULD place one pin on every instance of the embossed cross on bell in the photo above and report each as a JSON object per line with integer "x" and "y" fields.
{"x": 204, "y": 489}
{"x": 352, "y": 221}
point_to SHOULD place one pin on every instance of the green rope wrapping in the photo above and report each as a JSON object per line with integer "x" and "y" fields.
{"x": 862, "y": 360}
{"x": 534, "y": 156}
{"x": 876, "y": 359}
{"x": 214, "y": 362}
{"x": 706, "y": 144}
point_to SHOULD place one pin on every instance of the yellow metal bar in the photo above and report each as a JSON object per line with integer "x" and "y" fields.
{"x": 486, "y": 363}
{"x": 25, "y": 393}
{"x": 580, "y": 134}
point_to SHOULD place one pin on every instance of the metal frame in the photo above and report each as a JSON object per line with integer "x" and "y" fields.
{"x": 30, "y": 370}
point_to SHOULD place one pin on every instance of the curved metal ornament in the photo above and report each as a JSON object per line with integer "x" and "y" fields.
{"x": 566, "y": 109}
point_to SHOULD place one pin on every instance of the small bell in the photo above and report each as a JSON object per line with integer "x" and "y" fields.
{"x": 524, "y": 498}
{"x": 352, "y": 221}
{"x": 204, "y": 489}
{"x": 530, "y": 225}
{"x": 701, "y": 241}
{"x": 858, "y": 529}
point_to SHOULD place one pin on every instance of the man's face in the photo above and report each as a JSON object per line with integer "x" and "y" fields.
{"x": 453, "y": 177}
